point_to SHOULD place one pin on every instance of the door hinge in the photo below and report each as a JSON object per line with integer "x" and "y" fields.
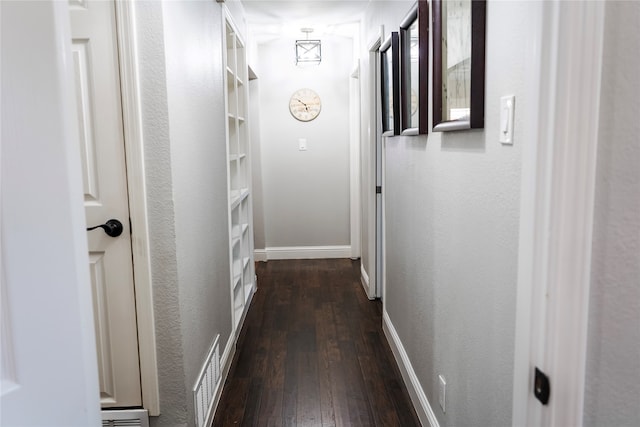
{"x": 541, "y": 387}
{"x": 378, "y": 189}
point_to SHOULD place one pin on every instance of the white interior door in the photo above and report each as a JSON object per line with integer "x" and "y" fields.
{"x": 95, "y": 57}
{"x": 48, "y": 374}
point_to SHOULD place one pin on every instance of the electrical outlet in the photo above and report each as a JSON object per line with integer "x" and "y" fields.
{"x": 442, "y": 392}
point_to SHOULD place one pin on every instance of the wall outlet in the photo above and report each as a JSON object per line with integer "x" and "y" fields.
{"x": 442, "y": 392}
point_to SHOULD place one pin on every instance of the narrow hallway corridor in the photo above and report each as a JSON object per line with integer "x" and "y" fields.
{"x": 312, "y": 353}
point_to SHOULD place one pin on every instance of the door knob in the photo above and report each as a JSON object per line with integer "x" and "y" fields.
{"x": 113, "y": 227}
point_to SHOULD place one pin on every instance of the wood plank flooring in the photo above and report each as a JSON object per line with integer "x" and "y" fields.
{"x": 312, "y": 353}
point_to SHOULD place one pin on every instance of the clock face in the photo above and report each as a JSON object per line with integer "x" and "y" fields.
{"x": 305, "y": 105}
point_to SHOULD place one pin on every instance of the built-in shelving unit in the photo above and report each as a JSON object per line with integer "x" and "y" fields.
{"x": 239, "y": 175}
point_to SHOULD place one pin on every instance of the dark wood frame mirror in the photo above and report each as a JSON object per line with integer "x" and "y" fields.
{"x": 390, "y": 85}
{"x": 458, "y": 101}
{"x": 414, "y": 69}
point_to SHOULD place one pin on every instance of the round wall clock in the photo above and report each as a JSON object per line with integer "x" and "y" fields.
{"x": 305, "y": 105}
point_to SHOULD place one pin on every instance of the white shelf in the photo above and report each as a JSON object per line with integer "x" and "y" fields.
{"x": 236, "y": 283}
{"x": 237, "y": 230}
{"x": 238, "y": 196}
{"x": 238, "y": 173}
{"x": 237, "y": 270}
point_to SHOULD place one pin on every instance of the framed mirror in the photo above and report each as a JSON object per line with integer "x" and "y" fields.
{"x": 458, "y": 64}
{"x": 414, "y": 70}
{"x": 390, "y": 81}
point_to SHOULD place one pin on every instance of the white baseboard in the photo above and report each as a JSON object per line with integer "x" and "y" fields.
{"x": 416, "y": 392}
{"x": 260, "y": 255}
{"x": 303, "y": 252}
{"x": 364, "y": 279}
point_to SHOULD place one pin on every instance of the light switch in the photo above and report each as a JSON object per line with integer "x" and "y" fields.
{"x": 507, "y": 104}
{"x": 302, "y": 144}
{"x": 442, "y": 392}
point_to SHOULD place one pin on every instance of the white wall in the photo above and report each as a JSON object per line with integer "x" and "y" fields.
{"x": 452, "y": 203}
{"x": 305, "y": 193}
{"x": 155, "y": 117}
{"x": 183, "y": 119}
{"x": 197, "y": 121}
{"x": 613, "y": 357}
{"x": 256, "y": 166}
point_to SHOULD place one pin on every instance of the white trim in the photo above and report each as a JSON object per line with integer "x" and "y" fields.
{"x": 260, "y": 255}
{"x": 416, "y": 392}
{"x": 558, "y": 188}
{"x": 134, "y": 153}
{"x": 375, "y": 125}
{"x": 364, "y": 279}
{"x": 308, "y": 252}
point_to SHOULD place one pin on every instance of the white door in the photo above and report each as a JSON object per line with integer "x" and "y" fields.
{"x": 95, "y": 57}
{"x": 48, "y": 374}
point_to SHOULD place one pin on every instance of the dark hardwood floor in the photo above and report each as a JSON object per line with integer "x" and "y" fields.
{"x": 312, "y": 353}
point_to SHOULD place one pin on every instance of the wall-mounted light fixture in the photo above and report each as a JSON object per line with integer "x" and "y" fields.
{"x": 308, "y": 51}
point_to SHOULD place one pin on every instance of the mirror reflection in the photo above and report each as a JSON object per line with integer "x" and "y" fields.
{"x": 414, "y": 54}
{"x": 456, "y": 60}
{"x": 388, "y": 89}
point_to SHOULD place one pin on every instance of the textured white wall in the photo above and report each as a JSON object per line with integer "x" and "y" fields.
{"x": 180, "y": 61}
{"x": 613, "y": 357}
{"x": 155, "y": 117}
{"x": 305, "y": 193}
{"x": 452, "y": 203}
{"x": 197, "y": 121}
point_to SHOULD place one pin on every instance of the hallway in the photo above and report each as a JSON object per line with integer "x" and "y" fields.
{"x": 312, "y": 352}
{"x": 497, "y": 256}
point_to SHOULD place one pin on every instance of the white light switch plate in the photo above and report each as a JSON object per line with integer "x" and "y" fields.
{"x": 302, "y": 144}
{"x": 442, "y": 392}
{"x": 507, "y": 104}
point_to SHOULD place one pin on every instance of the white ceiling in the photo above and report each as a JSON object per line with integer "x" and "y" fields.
{"x": 269, "y": 19}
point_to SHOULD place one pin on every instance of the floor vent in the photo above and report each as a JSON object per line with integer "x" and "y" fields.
{"x": 207, "y": 386}
{"x": 125, "y": 418}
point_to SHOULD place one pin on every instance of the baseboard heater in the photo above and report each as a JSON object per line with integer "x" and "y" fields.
{"x": 125, "y": 418}
{"x": 207, "y": 384}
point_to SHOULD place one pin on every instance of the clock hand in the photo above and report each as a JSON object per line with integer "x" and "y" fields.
{"x": 306, "y": 107}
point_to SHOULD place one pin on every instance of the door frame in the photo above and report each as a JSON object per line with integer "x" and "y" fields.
{"x": 557, "y": 204}
{"x": 136, "y": 186}
{"x": 376, "y": 287}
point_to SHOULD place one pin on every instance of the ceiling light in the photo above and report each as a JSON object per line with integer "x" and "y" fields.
{"x": 308, "y": 51}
